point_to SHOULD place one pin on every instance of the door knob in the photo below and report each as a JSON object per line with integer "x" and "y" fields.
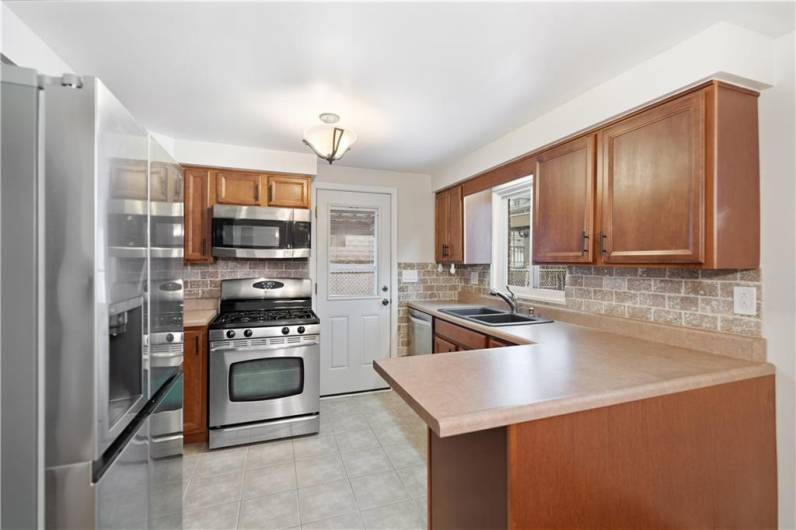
{"x": 385, "y": 302}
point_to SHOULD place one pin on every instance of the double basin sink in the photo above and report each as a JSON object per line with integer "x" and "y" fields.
{"x": 493, "y": 317}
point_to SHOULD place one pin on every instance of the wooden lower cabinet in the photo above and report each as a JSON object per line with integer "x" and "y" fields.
{"x": 443, "y": 346}
{"x": 700, "y": 459}
{"x": 450, "y": 337}
{"x": 194, "y": 398}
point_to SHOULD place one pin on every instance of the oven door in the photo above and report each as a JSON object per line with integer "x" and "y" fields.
{"x": 260, "y": 383}
{"x": 252, "y": 232}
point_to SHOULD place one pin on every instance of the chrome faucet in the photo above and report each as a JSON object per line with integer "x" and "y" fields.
{"x": 510, "y": 298}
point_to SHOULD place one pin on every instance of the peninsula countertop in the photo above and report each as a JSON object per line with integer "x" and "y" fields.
{"x": 562, "y": 368}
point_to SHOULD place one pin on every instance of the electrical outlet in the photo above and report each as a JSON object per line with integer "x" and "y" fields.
{"x": 473, "y": 278}
{"x": 744, "y": 300}
{"x": 409, "y": 276}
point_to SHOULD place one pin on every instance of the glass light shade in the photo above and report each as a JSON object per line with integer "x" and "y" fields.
{"x": 329, "y": 142}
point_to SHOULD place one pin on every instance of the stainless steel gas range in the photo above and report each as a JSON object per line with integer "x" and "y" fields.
{"x": 264, "y": 362}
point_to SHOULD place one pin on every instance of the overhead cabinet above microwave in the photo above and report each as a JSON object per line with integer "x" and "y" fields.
{"x": 207, "y": 187}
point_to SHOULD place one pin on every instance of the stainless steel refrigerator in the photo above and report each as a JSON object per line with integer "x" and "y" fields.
{"x": 91, "y": 303}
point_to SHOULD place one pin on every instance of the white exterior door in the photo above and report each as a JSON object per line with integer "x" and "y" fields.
{"x": 354, "y": 299}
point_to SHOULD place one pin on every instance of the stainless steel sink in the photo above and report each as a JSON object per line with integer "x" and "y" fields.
{"x": 493, "y": 317}
{"x": 471, "y": 311}
{"x": 508, "y": 319}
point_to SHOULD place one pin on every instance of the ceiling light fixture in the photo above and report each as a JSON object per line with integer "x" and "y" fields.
{"x": 327, "y": 140}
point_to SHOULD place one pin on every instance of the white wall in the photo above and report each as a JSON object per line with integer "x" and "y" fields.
{"x": 25, "y": 48}
{"x": 415, "y": 205}
{"x": 722, "y": 51}
{"x": 238, "y": 157}
{"x": 778, "y": 259}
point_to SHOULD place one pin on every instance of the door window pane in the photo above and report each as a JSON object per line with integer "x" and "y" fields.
{"x": 260, "y": 379}
{"x": 352, "y": 252}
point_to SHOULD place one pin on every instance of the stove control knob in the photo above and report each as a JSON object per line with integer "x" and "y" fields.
{"x": 247, "y": 333}
{"x": 301, "y": 329}
{"x": 230, "y": 333}
{"x": 285, "y": 330}
{"x": 169, "y": 337}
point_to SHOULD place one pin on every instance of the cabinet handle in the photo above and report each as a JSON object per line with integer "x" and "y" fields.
{"x": 272, "y": 192}
{"x": 257, "y": 193}
{"x": 585, "y": 248}
{"x": 196, "y": 342}
{"x": 602, "y": 243}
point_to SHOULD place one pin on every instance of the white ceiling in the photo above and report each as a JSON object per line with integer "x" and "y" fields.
{"x": 419, "y": 83}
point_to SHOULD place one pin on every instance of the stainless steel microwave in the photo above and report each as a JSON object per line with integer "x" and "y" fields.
{"x": 260, "y": 232}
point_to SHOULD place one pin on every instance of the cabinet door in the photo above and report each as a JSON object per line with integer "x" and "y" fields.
{"x": 443, "y": 346}
{"x": 129, "y": 180}
{"x": 235, "y": 187}
{"x": 441, "y": 207}
{"x": 175, "y": 183}
{"x": 498, "y": 343}
{"x": 652, "y": 185}
{"x": 455, "y": 225}
{"x": 194, "y": 412}
{"x": 197, "y": 216}
{"x": 563, "y": 210}
{"x": 288, "y": 192}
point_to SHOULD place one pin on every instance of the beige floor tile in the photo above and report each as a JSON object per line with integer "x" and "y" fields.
{"x": 269, "y": 479}
{"x": 378, "y": 489}
{"x": 357, "y": 440}
{"x": 415, "y": 480}
{"x": 269, "y": 453}
{"x": 400, "y": 516}
{"x": 319, "y": 470}
{"x": 326, "y": 500}
{"x": 218, "y": 517}
{"x": 271, "y": 512}
{"x": 404, "y": 455}
{"x": 349, "y": 521}
{"x": 349, "y": 422}
{"x": 314, "y": 446}
{"x": 213, "y": 489}
{"x": 366, "y": 462}
{"x": 221, "y": 461}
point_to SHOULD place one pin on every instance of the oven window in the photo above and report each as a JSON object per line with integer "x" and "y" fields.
{"x": 248, "y": 234}
{"x": 261, "y": 379}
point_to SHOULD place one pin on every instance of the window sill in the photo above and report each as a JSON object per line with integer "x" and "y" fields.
{"x": 543, "y": 296}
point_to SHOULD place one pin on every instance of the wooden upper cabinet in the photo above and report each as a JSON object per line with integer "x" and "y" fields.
{"x": 198, "y": 215}
{"x": 563, "y": 211}
{"x": 652, "y": 185}
{"x": 241, "y": 188}
{"x": 289, "y": 192}
{"x": 449, "y": 226}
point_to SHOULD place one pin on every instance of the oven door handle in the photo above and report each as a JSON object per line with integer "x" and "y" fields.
{"x": 267, "y": 347}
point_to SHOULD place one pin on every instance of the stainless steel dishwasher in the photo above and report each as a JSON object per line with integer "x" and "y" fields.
{"x": 420, "y": 341}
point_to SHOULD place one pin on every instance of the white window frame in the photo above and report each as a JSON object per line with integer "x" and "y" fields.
{"x": 500, "y": 238}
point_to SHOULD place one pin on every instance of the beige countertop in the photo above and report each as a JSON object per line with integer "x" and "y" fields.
{"x": 198, "y": 317}
{"x": 561, "y": 368}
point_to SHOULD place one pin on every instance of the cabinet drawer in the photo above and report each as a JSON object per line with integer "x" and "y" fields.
{"x": 464, "y": 337}
{"x": 499, "y": 343}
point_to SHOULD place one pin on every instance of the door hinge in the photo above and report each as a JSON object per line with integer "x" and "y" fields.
{"x": 316, "y": 212}
{"x": 316, "y": 287}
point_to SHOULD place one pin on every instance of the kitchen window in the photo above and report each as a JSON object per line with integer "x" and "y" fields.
{"x": 512, "y": 233}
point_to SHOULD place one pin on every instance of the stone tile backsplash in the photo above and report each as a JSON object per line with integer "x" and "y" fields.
{"x": 679, "y": 297}
{"x": 204, "y": 280}
{"x": 434, "y": 286}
